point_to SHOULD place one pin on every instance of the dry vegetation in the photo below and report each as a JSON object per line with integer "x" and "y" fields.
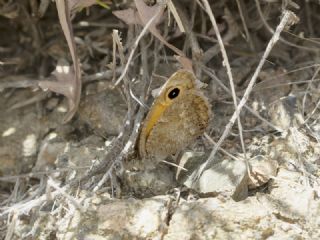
{"x": 76, "y": 78}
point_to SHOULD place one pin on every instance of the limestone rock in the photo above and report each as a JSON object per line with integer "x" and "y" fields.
{"x": 288, "y": 197}
{"x": 261, "y": 170}
{"x": 213, "y": 218}
{"x": 228, "y": 177}
{"x": 133, "y": 219}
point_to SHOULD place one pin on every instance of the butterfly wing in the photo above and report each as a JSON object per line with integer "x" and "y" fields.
{"x": 180, "y": 124}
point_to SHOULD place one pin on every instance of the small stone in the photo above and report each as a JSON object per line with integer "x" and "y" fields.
{"x": 148, "y": 182}
{"x": 104, "y": 112}
{"x": 261, "y": 170}
{"x": 30, "y": 145}
{"x": 52, "y": 103}
{"x": 48, "y": 153}
{"x": 228, "y": 177}
{"x": 282, "y": 112}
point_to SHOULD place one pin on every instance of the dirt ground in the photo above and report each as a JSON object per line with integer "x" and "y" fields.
{"x": 77, "y": 79}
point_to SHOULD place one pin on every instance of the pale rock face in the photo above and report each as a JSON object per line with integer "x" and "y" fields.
{"x": 134, "y": 218}
{"x": 227, "y": 177}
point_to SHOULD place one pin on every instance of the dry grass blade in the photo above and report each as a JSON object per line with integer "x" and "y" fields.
{"x": 18, "y": 82}
{"x": 176, "y": 16}
{"x": 148, "y": 17}
{"x": 65, "y": 21}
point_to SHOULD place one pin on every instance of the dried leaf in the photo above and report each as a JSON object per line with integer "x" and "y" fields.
{"x": 129, "y": 16}
{"x": 185, "y": 62}
{"x": 146, "y": 13}
{"x": 64, "y": 84}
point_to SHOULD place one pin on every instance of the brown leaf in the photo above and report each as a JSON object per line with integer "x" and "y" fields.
{"x": 129, "y": 16}
{"x": 64, "y": 84}
{"x": 185, "y": 62}
{"x": 146, "y": 13}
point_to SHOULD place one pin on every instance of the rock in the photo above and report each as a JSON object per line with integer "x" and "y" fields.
{"x": 213, "y": 218}
{"x": 221, "y": 218}
{"x": 104, "y": 112}
{"x": 228, "y": 177}
{"x": 133, "y": 219}
{"x": 102, "y": 218}
{"x": 288, "y": 197}
{"x": 81, "y": 155}
{"x": 282, "y": 112}
{"x": 19, "y": 139}
{"x": 261, "y": 170}
{"x": 163, "y": 217}
{"x": 149, "y": 182}
{"x": 50, "y": 149}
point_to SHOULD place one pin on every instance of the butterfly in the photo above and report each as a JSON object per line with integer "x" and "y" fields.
{"x": 178, "y": 115}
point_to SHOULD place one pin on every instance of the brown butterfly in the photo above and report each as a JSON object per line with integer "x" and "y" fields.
{"x": 176, "y": 118}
